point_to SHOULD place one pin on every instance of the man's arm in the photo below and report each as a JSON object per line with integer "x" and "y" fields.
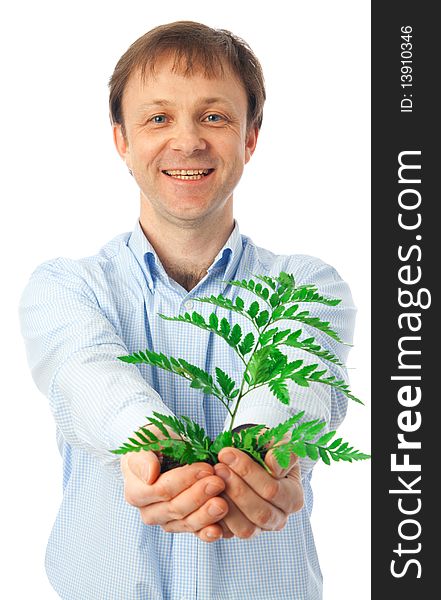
{"x": 72, "y": 347}
{"x": 98, "y": 401}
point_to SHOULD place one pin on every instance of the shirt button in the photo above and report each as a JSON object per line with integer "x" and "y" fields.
{"x": 189, "y": 304}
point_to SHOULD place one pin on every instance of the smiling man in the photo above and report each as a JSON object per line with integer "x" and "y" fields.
{"x": 186, "y": 107}
{"x": 186, "y": 140}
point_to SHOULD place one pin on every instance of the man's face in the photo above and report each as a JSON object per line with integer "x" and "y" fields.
{"x": 192, "y": 124}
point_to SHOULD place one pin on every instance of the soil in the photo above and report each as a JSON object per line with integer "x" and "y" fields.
{"x": 167, "y": 463}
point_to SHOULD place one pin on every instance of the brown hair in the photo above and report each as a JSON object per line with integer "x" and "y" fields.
{"x": 195, "y": 46}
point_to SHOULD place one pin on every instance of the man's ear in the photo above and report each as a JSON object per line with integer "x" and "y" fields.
{"x": 251, "y": 141}
{"x": 120, "y": 141}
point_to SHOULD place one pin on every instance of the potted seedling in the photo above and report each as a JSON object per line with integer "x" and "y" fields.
{"x": 278, "y": 302}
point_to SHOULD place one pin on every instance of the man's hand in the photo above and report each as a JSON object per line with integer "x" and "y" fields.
{"x": 184, "y": 499}
{"x": 256, "y": 499}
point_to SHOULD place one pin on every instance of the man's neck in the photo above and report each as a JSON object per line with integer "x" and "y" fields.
{"x": 187, "y": 252}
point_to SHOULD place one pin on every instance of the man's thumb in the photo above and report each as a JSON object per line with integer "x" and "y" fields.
{"x": 142, "y": 464}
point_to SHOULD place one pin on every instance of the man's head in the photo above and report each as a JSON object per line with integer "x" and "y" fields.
{"x": 194, "y": 47}
{"x": 186, "y": 105}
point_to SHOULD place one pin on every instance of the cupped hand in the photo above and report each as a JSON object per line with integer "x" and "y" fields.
{"x": 184, "y": 499}
{"x": 257, "y": 500}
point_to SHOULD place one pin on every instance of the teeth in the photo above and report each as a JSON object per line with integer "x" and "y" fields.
{"x": 186, "y": 173}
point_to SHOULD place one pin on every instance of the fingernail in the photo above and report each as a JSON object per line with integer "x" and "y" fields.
{"x": 212, "y": 536}
{"x": 229, "y": 458}
{"x": 203, "y": 474}
{"x": 142, "y": 471}
{"x": 213, "y": 488}
{"x": 215, "y": 510}
{"x": 222, "y": 471}
{"x": 145, "y": 473}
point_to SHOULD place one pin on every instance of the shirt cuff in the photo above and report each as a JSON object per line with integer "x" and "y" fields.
{"x": 129, "y": 420}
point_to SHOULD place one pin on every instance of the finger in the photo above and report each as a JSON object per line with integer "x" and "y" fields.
{"x": 226, "y": 531}
{"x": 255, "y": 508}
{"x": 184, "y": 504}
{"x": 276, "y": 492}
{"x": 208, "y": 514}
{"x": 237, "y": 523}
{"x": 167, "y": 486}
{"x": 285, "y": 494}
{"x": 145, "y": 465}
{"x": 276, "y": 470}
{"x": 215, "y": 532}
{"x": 212, "y": 533}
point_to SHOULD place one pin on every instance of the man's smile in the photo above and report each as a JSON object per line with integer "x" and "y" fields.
{"x": 188, "y": 174}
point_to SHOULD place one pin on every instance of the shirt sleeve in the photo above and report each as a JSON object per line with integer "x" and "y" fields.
{"x": 72, "y": 348}
{"x": 319, "y": 401}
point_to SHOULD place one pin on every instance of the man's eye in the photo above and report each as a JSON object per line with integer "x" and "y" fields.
{"x": 214, "y": 118}
{"x": 158, "y": 119}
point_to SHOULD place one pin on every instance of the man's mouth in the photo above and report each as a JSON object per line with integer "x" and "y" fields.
{"x": 188, "y": 173}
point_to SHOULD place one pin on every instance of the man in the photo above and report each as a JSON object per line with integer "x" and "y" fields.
{"x": 186, "y": 106}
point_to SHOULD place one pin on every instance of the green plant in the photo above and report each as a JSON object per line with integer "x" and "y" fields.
{"x": 264, "y": 365}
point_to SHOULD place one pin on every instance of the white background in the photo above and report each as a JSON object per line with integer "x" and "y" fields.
{"x": 65, "y": 192}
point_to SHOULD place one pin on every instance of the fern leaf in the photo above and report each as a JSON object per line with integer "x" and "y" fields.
{"x": 309, "y": 346}
{"x": 253, "y": 309}
{"x": 223, "y": 440}
{"x": 227, "y": 385}
{"x": 276, "y": 434}
{"x": 224, "y": 328}
{"x": 247, "y": 344}
{"x": 235, "y": 335}
{"x": 213, "y": 321}
{"x": 280, "y": 390}
{"x": 308, "y": 293}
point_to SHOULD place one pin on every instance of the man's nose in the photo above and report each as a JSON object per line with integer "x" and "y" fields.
{"x": 188, "y": 137}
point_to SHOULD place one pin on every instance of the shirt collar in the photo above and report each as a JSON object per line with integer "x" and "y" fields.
{"x": 224, "y": 265}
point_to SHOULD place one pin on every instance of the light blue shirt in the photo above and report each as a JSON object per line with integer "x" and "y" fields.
{"x": 77, "y": 317}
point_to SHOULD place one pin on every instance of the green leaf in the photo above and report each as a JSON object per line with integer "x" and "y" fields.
{"x": 253, "y": 309}
{"x": 277, "y": 313}
{"x": 266, "y": 337}
{"x": 197, "y": 318}
{"x": 334, "y": 444}
{"x": 324, "y": 456}
{"x": 235, "y": 336}
{"x": 289, "y": 312}
{"x": 259, "y": 367}
{"x": 280, "y": 391}
{"x": 149, "y": 434}
{"x": 311, "y": 347}
{"x": 327, "y": 437}
{"x": 247, "y": 344}
{"x": 283, "y": 455}
{"x": 156, "y": 421}
{"x": 225, "y": 327}
{"x": 274, "y": 300}
{"x": 226, "y": 383}
{"x": 312, "y": 451}
{"x": 278, "y": 337}
{"x": 314, "y": 430}
{"x": 268, "y": 280}
{"x": 142, "y": 437}
{"x": 286, "y": 280}
{"x": 277, "y": 433}
{"x": 223, "y": 440}
{"x": 299, "y": 448}
{"x": 239, "y": 303}
{"x": 262, "y": 319}
{"x": 213, "y": 321}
